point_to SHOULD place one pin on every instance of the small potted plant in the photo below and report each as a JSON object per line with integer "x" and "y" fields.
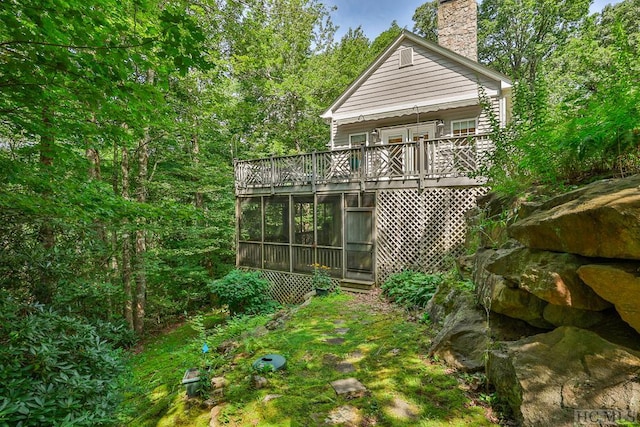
{"x": 321, "y": 280}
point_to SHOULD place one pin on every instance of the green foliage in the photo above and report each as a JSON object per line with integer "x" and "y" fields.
{"x": 55, "y": 369}
{"x": 244, "y": 293}
{"x": 411, "y": 289}
{"x": 578, "y": 116}
{"x": 321, "y": 278}
{"x": 515, "y": 36}
{"x": 425, "y": 20}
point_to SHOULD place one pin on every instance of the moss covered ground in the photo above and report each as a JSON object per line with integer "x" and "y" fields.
{"x": 380, "y": 347}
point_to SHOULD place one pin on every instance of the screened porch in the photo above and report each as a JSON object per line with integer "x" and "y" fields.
{"x": 294, "y": 233}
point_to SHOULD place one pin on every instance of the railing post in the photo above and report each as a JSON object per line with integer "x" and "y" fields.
{"x": 236, "y": 175}
{"x": 273, "y": 174}
{"x": 361, "y": 167}
{"x": 314, "y": 171}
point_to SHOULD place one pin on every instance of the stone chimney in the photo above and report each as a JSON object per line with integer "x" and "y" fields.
{"x": 458, "y": 26}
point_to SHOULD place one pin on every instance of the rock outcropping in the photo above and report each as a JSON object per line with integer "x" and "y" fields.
{"x": 546, "y": 378}
{"x": 599, "y": 220}
{"x": 571, "y": 266}
{"x": 573, "y": 257}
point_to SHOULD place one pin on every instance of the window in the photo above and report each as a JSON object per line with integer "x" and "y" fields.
{"x": 303, "y": 220}
{"x": 424, "y": 130}
{"x": 357, "y": 139}
{"x": 276, "y": 220}
{"x": 251, "y": 219}
{"x": 393, "y": 135}
{"x": 463, "y": 127}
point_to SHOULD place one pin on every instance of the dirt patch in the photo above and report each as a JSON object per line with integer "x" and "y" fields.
{"x": 374, "y": 301}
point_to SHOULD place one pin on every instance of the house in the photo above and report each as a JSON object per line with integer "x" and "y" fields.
{"x": 391, "y": 192}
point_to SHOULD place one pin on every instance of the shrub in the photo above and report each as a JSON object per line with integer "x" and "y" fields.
{"x": 55, "y": 369}
{"x": 321, "y": 278}
{"x": 244, "y": 292}
{"x": 411, "y": 289}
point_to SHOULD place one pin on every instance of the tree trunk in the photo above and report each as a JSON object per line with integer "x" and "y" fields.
{"x": 141, "y": 239}
{"x": 43, "y": 291}
{"x": 198, "y": 198}
{"x": 113, "y": 261}
{"x": 126, "y": 245}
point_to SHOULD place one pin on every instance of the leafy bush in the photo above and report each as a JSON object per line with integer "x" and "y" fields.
{"x": 244, "y": 292}
{"x": 321, "y": 278}
{"x": 411, "y": 289}
{"x": 55, "y": 369}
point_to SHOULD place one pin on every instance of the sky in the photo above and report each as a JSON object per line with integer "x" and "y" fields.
{"x": 375, "y": 16}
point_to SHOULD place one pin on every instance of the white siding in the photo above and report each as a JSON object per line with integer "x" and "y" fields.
{"x": 432, "y": 77}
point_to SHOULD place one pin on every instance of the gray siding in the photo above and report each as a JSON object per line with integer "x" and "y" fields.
{"x": 431, "y": 77}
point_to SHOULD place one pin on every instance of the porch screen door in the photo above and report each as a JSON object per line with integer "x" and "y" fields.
{"x": 359, "y": 243}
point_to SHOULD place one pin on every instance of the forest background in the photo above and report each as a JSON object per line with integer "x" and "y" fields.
{"x": 120, "y": 120}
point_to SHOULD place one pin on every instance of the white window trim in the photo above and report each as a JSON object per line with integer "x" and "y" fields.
{"x": 474, "y": 119}
{"x": 351, "y": 135}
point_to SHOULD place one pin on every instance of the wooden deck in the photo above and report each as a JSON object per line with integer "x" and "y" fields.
{"x": 443, "y": 162}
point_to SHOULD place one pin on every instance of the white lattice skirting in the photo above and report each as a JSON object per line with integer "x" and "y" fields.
{"x": 289, "y": 288}
{"x": 422, "y": 231}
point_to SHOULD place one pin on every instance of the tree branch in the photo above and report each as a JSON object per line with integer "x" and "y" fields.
{"x": 69, "y": 46}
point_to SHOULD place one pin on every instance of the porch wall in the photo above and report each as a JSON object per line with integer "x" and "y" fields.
{"x": 421, "y": 230}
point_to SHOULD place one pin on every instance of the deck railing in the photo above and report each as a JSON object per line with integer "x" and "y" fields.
{"x": 453, "y": 157}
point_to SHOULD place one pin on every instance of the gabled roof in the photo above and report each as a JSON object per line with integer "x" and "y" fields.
{"x": 505, "y": 82}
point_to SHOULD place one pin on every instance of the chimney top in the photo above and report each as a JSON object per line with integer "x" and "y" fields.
{"x": 458, "y": 27}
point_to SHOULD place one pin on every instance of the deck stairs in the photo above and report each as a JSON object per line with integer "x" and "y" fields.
{"x": 356, "y": 286}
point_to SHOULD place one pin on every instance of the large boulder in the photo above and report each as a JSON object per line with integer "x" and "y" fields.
{"x": 462, "y": 341}
{"x": 518, "y": 304}
{"x": 599, "y": 220}
{"x": 546, "y": 377}
{"x": 494, "y": 292}
{"x": 560, "y": 315}
{"x": 619, "y": 284}
{"x": 550, "y": 276}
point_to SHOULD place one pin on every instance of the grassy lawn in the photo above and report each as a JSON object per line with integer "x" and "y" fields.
{"x": 386, "y": 353}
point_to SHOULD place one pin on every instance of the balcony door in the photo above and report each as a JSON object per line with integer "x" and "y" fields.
{"x": 359, "y": 243}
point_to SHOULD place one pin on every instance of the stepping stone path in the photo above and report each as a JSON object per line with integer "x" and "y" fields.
{"x": 345, "y": 367}
{"x": 343, "y": 415}
{"x": 350, "y": 388}
{"x": 404, "y": 410}
{"x": 341, "y": 331}
{"x": 336, "y": 341}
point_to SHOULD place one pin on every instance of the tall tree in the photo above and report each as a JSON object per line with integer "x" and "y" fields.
{"x": 269, "y": 58}
{"x": 425, "y": 20}
{"x": 515, "y": 36}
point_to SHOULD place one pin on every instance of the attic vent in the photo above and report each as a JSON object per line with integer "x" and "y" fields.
{"x": 406, "y": 57}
